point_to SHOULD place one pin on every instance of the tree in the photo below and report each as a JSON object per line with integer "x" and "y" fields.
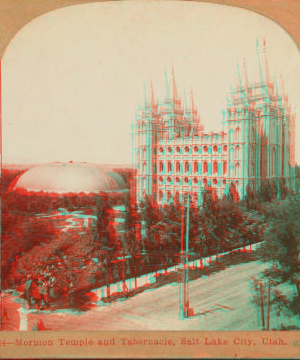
{"x": 64, "y": 262}
{"x": 282, "y": 244}
{"x": 131, "y": 244}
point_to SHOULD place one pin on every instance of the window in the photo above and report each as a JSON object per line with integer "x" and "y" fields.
{"x": 169, "y": 167}
{"x": 186, "y": 180}
{"x": 169, "y": 149}
{"x": 215, "y": 181}
{"x": 237, "y": 134}
{"x": 161, "y": 167}
{"x": 161, "y": 196}
{"x": 195, "y": 180}
{"x": 231, "y": 134}
{"x": 224, "y": 167}
{"x": 237, "y": 152}
{"x": 177, "y": 179}
{"x": 178, "y": 149}
{"x": 215, "y": 167}
{"x": 205, "y": 148}
{"x": 231, "y": 153}
{"x": 225, "y": 147}
{"x": 237, "y": 170}
{"x": 177, "y": 197}
{"x": 215, "y": 148}
{"x": 178, "y": 167}
{"x": 161, "y": 149}
{"x": 144, "y": 167}
{"x": 196, "y": 149}
{"x": 186, "y": 167}
{"x": 187, "y": 149}
{"x": 205, "y": 167}
{"x": 154, "y": 169}
{"x": 169, "y": 179}
{"x": 195, "y": 167}
{"x": 169, "y": 196}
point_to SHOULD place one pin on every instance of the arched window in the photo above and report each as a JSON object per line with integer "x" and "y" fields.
{"x": 231, "y": 170}
{"x": 144, "y": 167}
{"x": 224, "y": 167}
{"x": 178, "y": 167}
{"x": 237, "y": 152}
{"x": 161, "y": 167}
{"x": 169, "y": 196}
{"x": 237, "y": 134}
{"x": 205, "y": 167}
{"x": 144, "y": 183}
{"x": 195, "y": 167}
{"x": 169, "y": 166}
{"x": 186, "y": 167}
{"x": 231, "y": 135}
{"x": 154, "y": 169}
{"x": 231, "y": 153}
{"x": 237, "y": 170}
{"x": 215, "y": 167}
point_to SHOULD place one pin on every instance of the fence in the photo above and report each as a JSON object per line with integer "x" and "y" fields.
{"x": 148, "y": 279}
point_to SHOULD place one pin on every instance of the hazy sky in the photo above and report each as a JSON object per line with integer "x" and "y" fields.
{"x": 72, "y": 79}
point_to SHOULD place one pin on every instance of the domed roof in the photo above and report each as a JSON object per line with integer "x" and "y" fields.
{"x": 68, "y": 178}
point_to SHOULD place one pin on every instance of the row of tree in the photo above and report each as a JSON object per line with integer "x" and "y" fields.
{"x": 281, "y": 251}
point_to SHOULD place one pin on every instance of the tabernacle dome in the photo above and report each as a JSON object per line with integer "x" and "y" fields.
{"x": 69, "y": 178}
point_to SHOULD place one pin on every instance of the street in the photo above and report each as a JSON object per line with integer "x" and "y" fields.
{"x": 220, "y": 301}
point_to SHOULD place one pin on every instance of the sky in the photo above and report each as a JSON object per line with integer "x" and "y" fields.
{"x": 72, "y": 78}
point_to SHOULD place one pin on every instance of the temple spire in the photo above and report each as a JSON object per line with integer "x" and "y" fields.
{"x": 152, "y": 94}
{"x": 239, "y": 75}
{"x": 245, "y": 74}
{"x": 145, "y": 94}
{"x": 192, "y": 100}
{"x": 168, "y": 94}
{"x": 261, "y": 76}
{"x": 175, "y": 94}
{"x": 266, "y": 61}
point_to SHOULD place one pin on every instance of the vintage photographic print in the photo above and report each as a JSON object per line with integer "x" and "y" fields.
{"x": 149, "y": 180}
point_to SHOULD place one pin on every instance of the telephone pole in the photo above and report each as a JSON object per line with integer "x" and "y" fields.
{"x": 184, "y": 308}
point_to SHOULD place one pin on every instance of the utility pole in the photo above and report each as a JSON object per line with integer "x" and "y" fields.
{"x": 184, "y": 309}
{"x": 262, "y": 305}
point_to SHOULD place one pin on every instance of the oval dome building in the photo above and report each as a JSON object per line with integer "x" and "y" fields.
{"x": 69, "y": 178}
